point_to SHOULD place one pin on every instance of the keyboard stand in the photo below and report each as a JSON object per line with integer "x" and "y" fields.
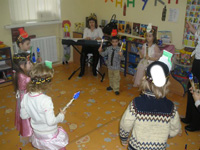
{"x": 102, "y": 75}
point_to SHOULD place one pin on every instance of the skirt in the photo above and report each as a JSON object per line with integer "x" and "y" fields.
{"x": 52, "y": 141}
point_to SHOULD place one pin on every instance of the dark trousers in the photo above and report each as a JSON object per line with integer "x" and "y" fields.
{"x": 192, "y": 113}
{"x": 85, "y": 51}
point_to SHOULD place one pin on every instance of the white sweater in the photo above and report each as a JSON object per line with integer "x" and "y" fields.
{"x": 39, "y": 107}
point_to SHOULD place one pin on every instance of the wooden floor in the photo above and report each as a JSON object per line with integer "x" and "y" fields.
{"x": 92, "y": 122}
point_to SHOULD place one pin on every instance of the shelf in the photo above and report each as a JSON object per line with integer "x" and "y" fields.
{"x": 5, "y": 81}
{"x": 132, "y": 36}
{"x": 133, "y": 63}
{"x": 4, "y": 60}
{"x": 134, "y": 53}
{"x": 5, "y": 67}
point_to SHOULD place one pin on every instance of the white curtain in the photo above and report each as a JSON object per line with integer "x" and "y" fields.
{"x": 22, "y": 11}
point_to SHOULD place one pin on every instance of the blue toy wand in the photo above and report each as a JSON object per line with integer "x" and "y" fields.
{"x": 76, "y": 95}
{"x": 191, "y": 81}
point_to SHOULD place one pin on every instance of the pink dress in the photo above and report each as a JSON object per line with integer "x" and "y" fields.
{"x": 153, "y": 52}
{"x": 23, "y": 126}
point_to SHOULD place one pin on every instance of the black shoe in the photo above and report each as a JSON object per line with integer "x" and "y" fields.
{"x": 109, "y": 88}
{"x": 80, "y": 74}
{"x": 116, "y": 93}
{"x": 191, "y": 128}
{"x": 95, "y": 73}
{"x": 184, "y": 120}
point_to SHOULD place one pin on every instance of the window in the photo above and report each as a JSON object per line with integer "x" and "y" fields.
{"x": 22, "y": 11}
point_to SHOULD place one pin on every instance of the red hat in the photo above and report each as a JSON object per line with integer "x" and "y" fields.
{"x": 114, "y": 32}
{"x": 22, "y": 34}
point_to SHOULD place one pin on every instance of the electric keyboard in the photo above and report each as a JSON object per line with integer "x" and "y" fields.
{"x": 83, "y": 42}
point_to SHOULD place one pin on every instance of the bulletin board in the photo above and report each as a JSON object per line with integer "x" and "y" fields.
{"x": 192, "y": 15}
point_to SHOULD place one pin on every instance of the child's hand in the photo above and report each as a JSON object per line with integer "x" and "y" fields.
{"x": 39, "y": 60}
{"x": 100, "y": 49}
{"x": 124, "y": 143}
{"x": 98, "y": 38}
{"x": 88, "y": 38}
{"x": 120, "y": 53}
{"x": 62, "y": 112}
{"x": 196, "y": 95}
{"x": 147, "y": 57}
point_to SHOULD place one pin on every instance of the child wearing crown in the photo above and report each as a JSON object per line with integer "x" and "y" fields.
{"x": 39, "y": 108}
{"x": 23, "y": 42}
{"x": 21, "y": 65}
{"x": 149, "y": 53}
{"x": 92, "y": 32}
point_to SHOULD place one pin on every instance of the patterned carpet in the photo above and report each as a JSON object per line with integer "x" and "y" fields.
{"x": 92, "y": 121}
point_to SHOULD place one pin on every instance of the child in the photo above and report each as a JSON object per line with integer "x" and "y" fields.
{"x": 39, "y": 108}
{"x": 21, "y": 66}
{"x": 23, "y": 42}
{"x": 114, "y": 57}
{"x": 151, "y": 117}
{"x": 153, "y": 54}
{"x": 192, "y": 114}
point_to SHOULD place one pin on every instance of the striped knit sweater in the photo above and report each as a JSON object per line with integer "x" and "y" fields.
{"x": 152, "y": 121}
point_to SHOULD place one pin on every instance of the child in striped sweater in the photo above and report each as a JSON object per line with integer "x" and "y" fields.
{"x": 151, "y": 118}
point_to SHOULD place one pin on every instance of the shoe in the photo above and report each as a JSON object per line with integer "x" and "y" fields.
{"x": 80, "y": 74}
{"x": 184, "y": 120}
{"x": 116, "y": 93}
{"x": 109, "y": 88}
{"x": 191, "y": 128}
{"x": 95, "y": 73}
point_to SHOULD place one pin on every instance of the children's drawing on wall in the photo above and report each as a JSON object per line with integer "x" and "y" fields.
{"x": 103, "y": 23}
{"x": 128, "y": 27}
{"x": 79, "y": 27}
{"x": 136, "y": 29}
{"x": 121, "y": 26}
{"x": 192, "y": 15}
{"x": 66, "y": 49}
{"x": 143, "y": 29}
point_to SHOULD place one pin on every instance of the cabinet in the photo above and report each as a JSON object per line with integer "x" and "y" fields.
{"x": 132, "y": 46}
{"x": 5, "y": 65}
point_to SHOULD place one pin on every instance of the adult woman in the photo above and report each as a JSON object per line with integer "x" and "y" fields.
{"x": 92, "y": 32}
{"x": 192, "y": 114}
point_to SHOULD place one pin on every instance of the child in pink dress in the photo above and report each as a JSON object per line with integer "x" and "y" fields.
{"x": 149, "y": 53}
{"x": 39, "y": 108}
{"x": 22, "y": 66}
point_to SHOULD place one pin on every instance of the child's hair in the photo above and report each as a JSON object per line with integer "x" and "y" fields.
{"x": 21, "y": 41}
{"x": 160, "y": 92}
{"x": 18, "y": 60}
{"x": 40, "y": 75}
{"x": 155, "y": 41}
{"x": 114, "y": 38}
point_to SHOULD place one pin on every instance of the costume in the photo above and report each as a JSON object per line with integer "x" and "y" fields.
{"x": 153, "y": 53}
{"x": 113, "y": 64}
{"x": 46, "y": 134}
{"x": 192, "y": 113}
{"x": 90, "y": 49}
{"x": 22, "y": 125}
{"x": 197, "y": 104}
{"x": 153, "y": 121}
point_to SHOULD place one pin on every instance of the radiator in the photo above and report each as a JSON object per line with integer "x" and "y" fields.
{"x": 47, "y": 46}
